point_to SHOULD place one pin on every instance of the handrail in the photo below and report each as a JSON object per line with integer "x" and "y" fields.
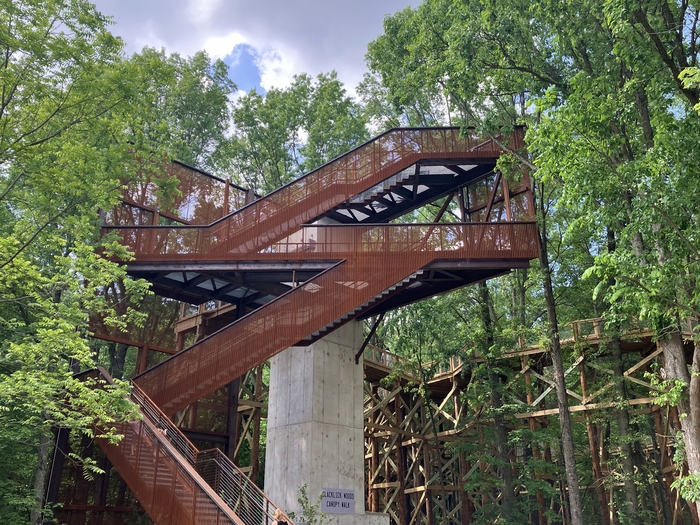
{"x": 239, "y": 492}
{"x": 301, "y": 201}
{"x": 229, "y": 482}
{"x": 217, "y": 472}
{"x": 518, "y": 136}
{"x": 331, "y": 242}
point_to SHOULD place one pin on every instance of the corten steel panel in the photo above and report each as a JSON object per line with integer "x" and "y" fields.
{"x": 285, "y": 210}
{"x": 163, "y": 469}
{"x": 202, "y": 198}
{"x": 373, "y": 259}
{"x": 163, "y": 484}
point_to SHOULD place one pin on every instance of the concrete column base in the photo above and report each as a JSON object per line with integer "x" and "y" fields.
{"x": 315, "y": 424}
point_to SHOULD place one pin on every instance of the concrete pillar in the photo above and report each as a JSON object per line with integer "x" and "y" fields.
{"x": 315, "y": 424}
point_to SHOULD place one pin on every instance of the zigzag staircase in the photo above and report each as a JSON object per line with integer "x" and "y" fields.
{"x": 365, "y": 264}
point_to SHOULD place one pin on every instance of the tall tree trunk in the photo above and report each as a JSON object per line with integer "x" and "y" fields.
{"x": 40, "y": 474}
{"x": 675, "y": 368}
{"x": 567, "y": 437}
{"x": 117, "y": 358}
{"x": 623, "y": 422}
{"x": 501, "y": 433}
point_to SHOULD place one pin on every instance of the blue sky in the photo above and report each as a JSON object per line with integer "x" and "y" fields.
{"x": 243, "y": 67}
{"x": 266, "y": 42}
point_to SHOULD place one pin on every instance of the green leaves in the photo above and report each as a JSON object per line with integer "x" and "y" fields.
{"x": 291, "y": 131}
{"x": 691, "y": 80}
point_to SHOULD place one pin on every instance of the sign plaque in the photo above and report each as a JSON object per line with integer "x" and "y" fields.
{"x": 338, "y": 501}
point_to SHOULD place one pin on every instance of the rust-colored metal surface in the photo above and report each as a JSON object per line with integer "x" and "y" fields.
{"x": 164, "y": 471}
{"x": 365, "y": 263}
{"x": 201, "y": 199}
{"x": 373, "y": 259}
{"x": 285, "y": 210}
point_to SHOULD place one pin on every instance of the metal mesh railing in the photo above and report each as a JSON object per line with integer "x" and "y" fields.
{"x": 201, "y": 199}
{"x": 175, "y": 482}
{"x": 164, "y": 426}
{"x": 283, "y": 211}
{"x": 239, "y": 492}
{"x": 476, "y": 240}
{"x": 235, "y": 488}
{"x": 374, "y": 259}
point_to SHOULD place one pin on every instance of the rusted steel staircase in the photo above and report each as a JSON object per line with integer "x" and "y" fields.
{"x": 284, "y": 211}
{"x": 176, "y": 483}
{"x": 345, "y": 270}
{"x": 373, "y": 260}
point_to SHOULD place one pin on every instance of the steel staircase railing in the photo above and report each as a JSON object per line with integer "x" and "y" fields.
{"x": 174, "y": 482}
{"x": 285, "y": 210}
{"x": 373, "y": 259}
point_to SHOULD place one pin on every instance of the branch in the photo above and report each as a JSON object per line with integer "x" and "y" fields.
{"x": 7, "y": 190}
{"x": 662, "y": 297}
{"x": 673, "y": 225}
{"x": 499, "y": 143}
{"x": 642, "y": 19}
{"x": 15, "y": 299}
{"x": 36, "y": 234}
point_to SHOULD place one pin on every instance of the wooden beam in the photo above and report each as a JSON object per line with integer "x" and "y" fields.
{"x": 584, "y": 408}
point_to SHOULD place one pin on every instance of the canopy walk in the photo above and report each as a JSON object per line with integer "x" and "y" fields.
{"x": 300, "y": 262}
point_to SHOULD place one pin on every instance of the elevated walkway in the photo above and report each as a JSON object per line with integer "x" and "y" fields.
{"x": 317, "y": 253}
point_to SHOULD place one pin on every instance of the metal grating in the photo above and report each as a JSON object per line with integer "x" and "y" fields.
{"x": 285, "y": 210}
{"x": 174, "y": 482}
{"x": 373, "y": 258}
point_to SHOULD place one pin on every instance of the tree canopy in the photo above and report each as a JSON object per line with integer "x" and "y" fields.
{"x": 609, "y": 92}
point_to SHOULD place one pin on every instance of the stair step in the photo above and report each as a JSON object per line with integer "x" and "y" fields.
{"x": 341, "y": 320}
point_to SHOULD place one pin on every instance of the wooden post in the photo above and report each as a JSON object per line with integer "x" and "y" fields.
{"x": 143, "y": 359}
{"x": 467, "y": 514}
{"x": 597, "y": 469}
{"x": 374, "y": 462}
{"x": 256, "y": 414}
{"x": 224, "y": 211}
{"x": 427, "y": 471}
{"x": 400, "y": 464}
{"x": 232, "y": 418}
{"x": 533, "y": 425}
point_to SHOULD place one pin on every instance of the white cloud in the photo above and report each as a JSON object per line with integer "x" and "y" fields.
{"x": 311, "y": 36}
{"x": 201, "y": 11}
{"x": 277, "y": 68}
{"x": 221, "y": 46}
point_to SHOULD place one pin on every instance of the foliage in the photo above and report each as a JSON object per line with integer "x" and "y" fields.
{"x": 691, "y": 79}
{"x": 310, "y": 513}
{"x": 187, "y": 112}
{"x": 72, "y": 131}
{"x": 288, "y": 132}
{"x": 688, "y": 487}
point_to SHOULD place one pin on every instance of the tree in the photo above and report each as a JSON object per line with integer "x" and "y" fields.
{"x": 610, "y": 125}
{"x": 291, "y": 131}
{"x": 189, "y": 109}
{"x": 69, "y": 139}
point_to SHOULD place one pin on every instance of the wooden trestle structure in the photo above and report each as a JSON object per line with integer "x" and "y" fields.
{"x": 415, "y": 469}
{"x": 419, "y": 470}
